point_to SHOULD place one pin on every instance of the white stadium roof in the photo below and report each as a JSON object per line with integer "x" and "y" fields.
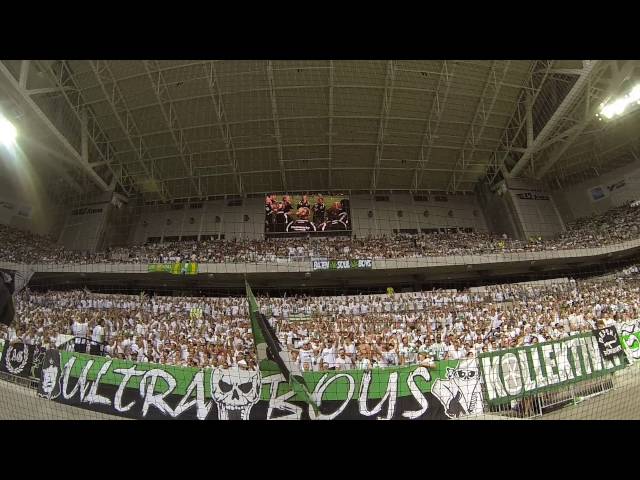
{"x": 193, "y": 129}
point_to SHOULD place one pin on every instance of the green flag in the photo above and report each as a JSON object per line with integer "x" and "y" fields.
{"x": 272, "y": 356}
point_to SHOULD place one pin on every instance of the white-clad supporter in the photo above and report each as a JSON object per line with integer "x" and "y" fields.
{"x": 141, "y": 355}
{"x": 307, "y": 367}
{"x": 12, "y": 334}
{"x": 306, "y": 354}
{"x": 343, "y": 362}
{"x": 458, "y": 352}
{"x": 389, "y": 357}
{"x": 425, "y": 360}
{"x": 328, "y": 354}
{"x": 79, "y": 328}
{"x": 350, "y": 348}
{"x": 407, "y": 354}
{"x": 97, "y": 334}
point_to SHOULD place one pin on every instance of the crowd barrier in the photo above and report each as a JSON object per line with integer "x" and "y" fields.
{"x": 520, "y": 382}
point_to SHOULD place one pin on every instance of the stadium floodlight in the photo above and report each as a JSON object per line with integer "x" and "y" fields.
{"x": 7, "y": 132}
{"x": 617, "y": 108}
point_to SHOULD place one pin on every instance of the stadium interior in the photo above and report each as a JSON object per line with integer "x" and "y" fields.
{"x": 334, "y": 239}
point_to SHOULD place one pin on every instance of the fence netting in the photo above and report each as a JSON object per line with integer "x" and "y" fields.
{"x": 330, "y": 310}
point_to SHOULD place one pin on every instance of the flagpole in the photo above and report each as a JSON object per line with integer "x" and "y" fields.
{"x": 271, "y": 354}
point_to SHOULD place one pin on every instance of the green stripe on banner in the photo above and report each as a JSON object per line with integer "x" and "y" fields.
{"x": 336, "y": 390}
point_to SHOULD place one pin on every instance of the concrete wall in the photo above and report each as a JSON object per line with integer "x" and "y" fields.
{"x": 23, "y": 203}
{"x": 164, "y": 221}
{"x": 535, "y": 209}
{"x": 403, "y": 212}
{"x": 499, "y": 213}
{"x": 599, "y": 194}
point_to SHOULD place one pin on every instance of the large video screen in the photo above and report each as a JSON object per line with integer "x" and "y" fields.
{"x": 317, "y": 215}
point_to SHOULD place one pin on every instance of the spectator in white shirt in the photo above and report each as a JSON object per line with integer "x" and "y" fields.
{"x": 343, "y": 362}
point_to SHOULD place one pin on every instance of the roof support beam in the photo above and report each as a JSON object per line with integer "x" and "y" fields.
{"x": 590, "y": 111}
{"x": 397, "y": 88}
{"x": 565, "y": 71}
{"x": 529, "y": 118}
{"x": 305, "y": 117}
{"x": 433, "y": 121}
{"x": 538, "y": 74}
{"x": 276, "y": 124}
{"x": 563, "y": 109}
{"x": 480, "y": 118}
{"x": 65, "y": 175}
{"x": 387, "y": 97}
{"x": 24, "y": 73}
{"x": 315, "y": 169}
{"x": 58, "y": 160}
{"x": 162, "y": 94}
{"x": 223, "y": 123}
{"x": 39, "y": 91}
{"x": 26, "y": 98}
{"x": 340, "y": 144}
{"x": 67, "y": 86}
{"x": 118, "y": 106}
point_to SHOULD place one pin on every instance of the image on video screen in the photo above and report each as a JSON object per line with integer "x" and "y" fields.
{"x": 292, "y": 215}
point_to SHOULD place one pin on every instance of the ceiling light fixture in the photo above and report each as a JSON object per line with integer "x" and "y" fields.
{"x": 617, "y": 107}
{"x": 7, "y": 132}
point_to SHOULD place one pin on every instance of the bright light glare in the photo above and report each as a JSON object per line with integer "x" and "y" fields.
{"x": 7, "y": 132}
{"x": 617, "y": 107}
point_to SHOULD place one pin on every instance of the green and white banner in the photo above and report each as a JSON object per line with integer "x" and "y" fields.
{"x": 514, "y": 373}
{"x": 629, "y": 334}
{"x": 145, "y": 391}
{"x": 178, "y": 268}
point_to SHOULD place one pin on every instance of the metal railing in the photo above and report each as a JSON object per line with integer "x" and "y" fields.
{"x": 536, "y": 405}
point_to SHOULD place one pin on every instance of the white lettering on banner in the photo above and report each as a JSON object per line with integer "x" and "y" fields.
{"x": 491, "y": 367}
{"x": 66, "y": 371}
{"x": 280, "y": 402}
{"x": 202, "y": 407}
{"x": 322, "y": 385}
{"x": 81, "y": 384}
{"x": 343, "y": 264}
{"x": 391, "y": 394}
{"x": 576, "y": 354}
{"x": 93, "y": 396}
{"x": 527, "y": 382}
{"x": 550, "y": 364}
{"x": 417, "y": 393}
{"x": 541, "y": 380}
{"x": 584, "y": 350}
{"x": 128, "y": 373}
{"x": 511, "y": 377}
{"x": 594, "y": 353}
{"x": 148, "y": 387}
{"x": 611, "y": 363}
{"x": 561, "y": 351}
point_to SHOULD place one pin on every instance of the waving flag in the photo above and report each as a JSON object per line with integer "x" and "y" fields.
{"x": 11, "y": 284}
{"x": 272, "y": 355}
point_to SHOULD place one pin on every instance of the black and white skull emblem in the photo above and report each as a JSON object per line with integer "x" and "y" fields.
{"x": 235, "y": 390}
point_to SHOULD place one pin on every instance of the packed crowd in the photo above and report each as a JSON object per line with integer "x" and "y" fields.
{"x": 18, "y": 246}
{"x": 324, "y": 333}
{"x": 616, "y": 225}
